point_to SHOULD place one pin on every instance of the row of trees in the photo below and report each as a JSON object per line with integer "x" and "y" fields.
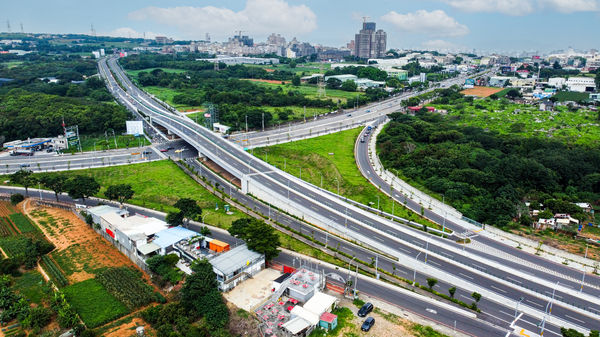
{"x": 488, "y": 176}
{"x": 77, "y": 186}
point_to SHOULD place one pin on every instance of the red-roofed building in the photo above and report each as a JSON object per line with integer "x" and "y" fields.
{"x": 328, "y": 321}
{"x": 417, "y": 108}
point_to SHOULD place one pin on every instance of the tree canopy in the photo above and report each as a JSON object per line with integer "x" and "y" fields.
{"x": 119, "y": 192}
{"x": 258, "y": 235}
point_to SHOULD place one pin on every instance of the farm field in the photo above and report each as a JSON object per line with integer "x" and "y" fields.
{"x": 481, "y": 91}
{"x": 563, "y": 96}
{"x": 94, "y": 304}
{"x": 575, "y": 127}
{"x": 331, "y": 158}
{"x": 80, "y": 252}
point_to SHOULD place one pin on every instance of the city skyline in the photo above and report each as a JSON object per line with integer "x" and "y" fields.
{"x": 484, "y": 25}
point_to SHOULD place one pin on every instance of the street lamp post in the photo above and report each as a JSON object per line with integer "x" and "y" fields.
{"x": 517, "y": 307}
{"x": 415, "y": 272}
{"x": 552, "y": 300}
{"x": 583, "y": 274}
{"x": 378, "y": 202}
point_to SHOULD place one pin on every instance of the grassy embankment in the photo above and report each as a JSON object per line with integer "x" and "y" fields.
{"x": 332, "y": 158}
{"x": 158, "y": 185}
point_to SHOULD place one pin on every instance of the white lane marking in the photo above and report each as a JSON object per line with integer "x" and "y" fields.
{"x": 512, "y": 279}
{"x": 537, "y": 304}
{"x": 477, "y": 266}
{"x": 573, "y": 318}
{"x": 597, "y": 310}
{"x": 467, "y": 276}
{"x": 378, "y": 238}
{"x": 433, "y": 262}
{"x": 448, "y": 255}
{"x": 506, "y": 313}
{"x": 550, "y": 293}
{"x": 404, "y": 250}
{"x": 431, "y": 311}
{"x": 502, "y": 290}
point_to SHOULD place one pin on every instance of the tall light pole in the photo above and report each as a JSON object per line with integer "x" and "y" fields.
{"x": 263, "y": 122}
{"x": 552, "y": 300}
{"x": 415, "y": 272}
{"x": 378, "y": 202}
{"x": 583, "y": 274}
{"x": 246, "y": 123}
{"x": 517, "y": 307}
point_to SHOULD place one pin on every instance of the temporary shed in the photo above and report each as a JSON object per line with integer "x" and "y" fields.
{"x": 296, "y": 325}
{"x": 320, "y": 303}
{"x": 328, "y": 321}
{"x": 309, "y": 316}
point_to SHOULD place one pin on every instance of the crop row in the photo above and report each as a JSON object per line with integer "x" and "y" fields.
{"x": 54, "y": 272}
{"x": 22, "y": 223}
{"x": 15, "y": 246}
{"x": 126, "y": 286}
{"x": 5, "y": 227}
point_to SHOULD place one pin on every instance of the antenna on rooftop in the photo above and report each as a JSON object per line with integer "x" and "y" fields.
{"x": 365, "y": 18}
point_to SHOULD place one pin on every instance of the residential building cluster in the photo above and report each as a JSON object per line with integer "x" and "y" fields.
{"x": 141, "y": 237}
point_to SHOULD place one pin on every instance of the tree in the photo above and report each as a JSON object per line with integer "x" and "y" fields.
{"x": 81, "y": 187}
{"x": 259, "y": 236}
{"x": 16, "y": 198}
{"x": 293, "y": 64}
{"x": 296, "y": 80}
{"x": 571, "y": 333}
{"x": 202, "y": 281}
{"x": 349, "y": 85}
{"x": 120, "y": 192}
{"x": 476, "y": 296}
{"x": 597, "y": 79}
{"x": 23, "y": 177}
{"x": 188, "y": 209}
{"x": 205, "y": 231}
{"x": 556, "y": 65}
{"x": 431, "y": 282}
{"x": 452, "y": 291}
{"x": 55, "y": 182}
{"x": 333, "y": 83}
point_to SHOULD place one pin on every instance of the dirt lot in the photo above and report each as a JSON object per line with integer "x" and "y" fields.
{"x": 481, "y": 91}
{"x": 78, "y": 247}
{"x": 128, "y": 329}
{"x": 254, "y": 291}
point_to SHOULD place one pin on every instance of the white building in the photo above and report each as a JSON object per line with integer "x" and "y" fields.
{"x": 581, "y": 84}
{"x": 236, "y": 265}
{"x": 557, "y": 82}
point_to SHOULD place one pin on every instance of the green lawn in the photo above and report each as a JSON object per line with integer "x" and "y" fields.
{"x": 575, "y": 127}
{"x": 158, "y": 185}
{"x": 93, "y": 303}
{"x": 331, "y": 158}
{"x": 30, "y": 286}
{"x": 306, "y": 68}
{"x": 100, "y": 142}
{"x": 166, "y": 95}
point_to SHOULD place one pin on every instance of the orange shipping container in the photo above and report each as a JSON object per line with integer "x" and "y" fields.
{"x": 218, "y": 246}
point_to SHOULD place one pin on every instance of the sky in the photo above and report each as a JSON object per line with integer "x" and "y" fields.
{"x": 447, "y": 25}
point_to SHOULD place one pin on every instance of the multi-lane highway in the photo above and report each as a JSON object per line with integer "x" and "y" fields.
{"x": 472, "y": 271}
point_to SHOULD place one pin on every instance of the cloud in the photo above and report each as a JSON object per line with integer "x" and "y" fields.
{"x": 258, "y": 17}
{"x": 130, "y": 33}
{"x": 524, "y": 7}
{"x": 434, "y": 23}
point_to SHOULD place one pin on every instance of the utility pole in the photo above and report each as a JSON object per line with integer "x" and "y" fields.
{"x": 263, "y": 122}
{"x": 583, "y": 274}
{"x": 246, "y": 123}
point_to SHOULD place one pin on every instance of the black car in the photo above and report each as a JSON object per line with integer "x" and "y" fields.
{"x": 365, "y": 310}
{"x": 368, "y": 324}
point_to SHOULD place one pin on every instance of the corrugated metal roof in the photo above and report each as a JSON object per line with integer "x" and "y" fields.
{"x": 170, "y": 236}
{"x": 148, "y": 248}
{"x": 234, "y": 259}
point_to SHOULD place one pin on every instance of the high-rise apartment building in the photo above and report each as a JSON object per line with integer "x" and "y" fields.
{"x": 369, "y": 42}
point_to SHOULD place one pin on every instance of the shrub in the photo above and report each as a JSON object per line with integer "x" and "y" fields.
{"x": 16, "y": 198}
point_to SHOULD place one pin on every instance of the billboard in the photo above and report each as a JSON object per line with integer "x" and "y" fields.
{"x": 135, "y": 127}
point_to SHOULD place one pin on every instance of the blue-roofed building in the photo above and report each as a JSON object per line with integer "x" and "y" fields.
{"x": 167, "y": 238}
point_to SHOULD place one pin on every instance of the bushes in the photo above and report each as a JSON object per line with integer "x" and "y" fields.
{"x": 16, "y": 198}
{"x": 54, "y": 272}
{"x": 126, "y": 286}
{"x": 164, "y": 267}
